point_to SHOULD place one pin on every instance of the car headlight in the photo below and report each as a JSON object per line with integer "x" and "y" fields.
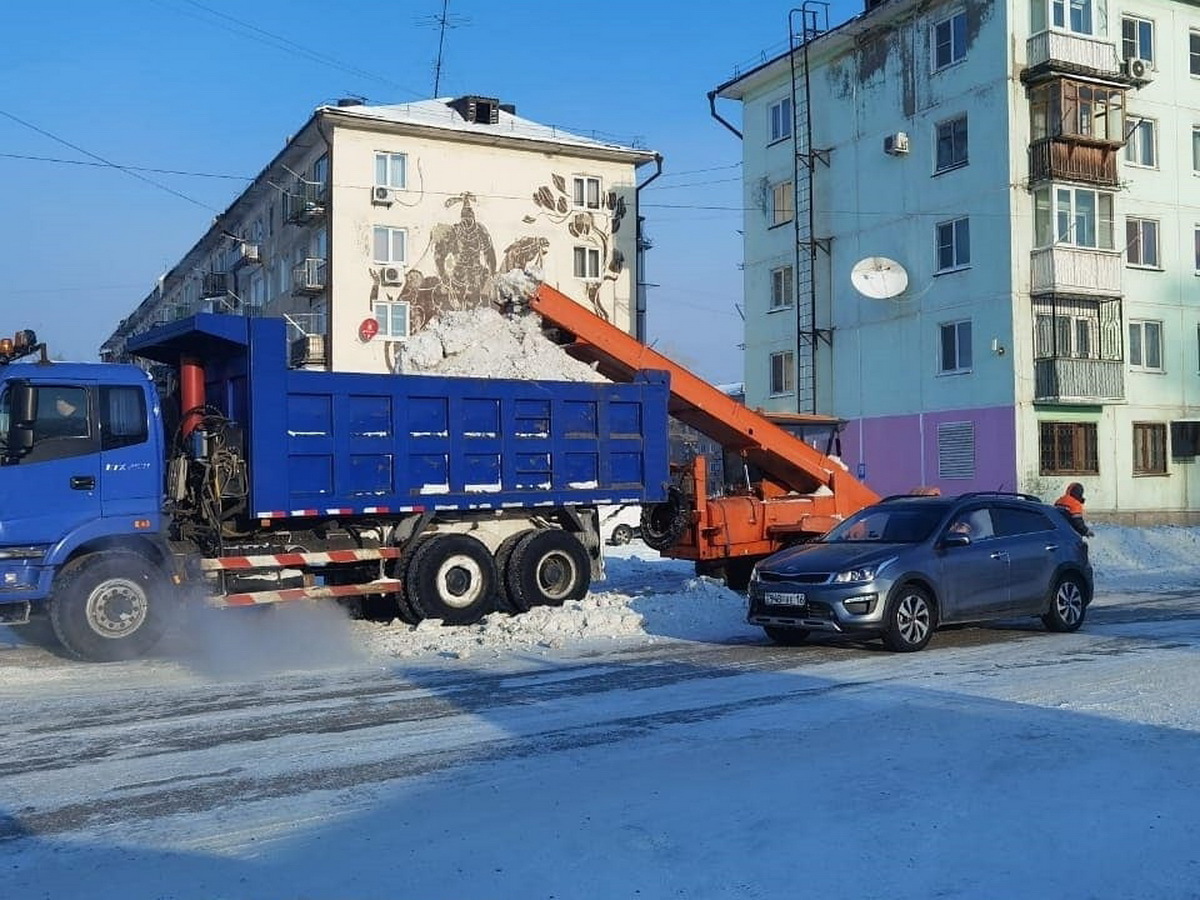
{"x": 862, "y": 574}
{"x": 754, "y": 575}
{"x": 853, "y": 576}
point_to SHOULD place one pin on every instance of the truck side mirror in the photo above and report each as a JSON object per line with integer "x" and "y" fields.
{"x": 22, "y": 414}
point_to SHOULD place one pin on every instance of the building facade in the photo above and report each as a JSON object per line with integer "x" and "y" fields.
{"x": 973, "y": 232}
{"x": 373, "y": 220}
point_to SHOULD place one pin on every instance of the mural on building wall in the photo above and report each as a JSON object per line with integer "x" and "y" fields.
{"x": 458, "y": 268}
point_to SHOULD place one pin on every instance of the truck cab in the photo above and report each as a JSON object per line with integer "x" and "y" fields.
{"x": 81, "y": 468}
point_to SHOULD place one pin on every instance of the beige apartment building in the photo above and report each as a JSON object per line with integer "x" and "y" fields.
{"x": 373, "y": 220}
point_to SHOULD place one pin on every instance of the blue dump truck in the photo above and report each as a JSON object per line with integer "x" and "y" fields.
{"x": 234, "y": 478}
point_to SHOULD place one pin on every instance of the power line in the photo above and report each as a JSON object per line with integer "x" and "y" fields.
{"x": 97, "y": 165}
{"x": 128, "y": 171}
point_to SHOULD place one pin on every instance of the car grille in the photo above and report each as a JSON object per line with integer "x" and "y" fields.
{"x": 801, "y": 578}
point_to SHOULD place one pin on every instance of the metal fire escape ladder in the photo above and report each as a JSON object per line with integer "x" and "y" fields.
{"x": 805, "y": 24}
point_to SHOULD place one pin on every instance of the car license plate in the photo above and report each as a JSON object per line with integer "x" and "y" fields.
{"x": 778, "y": 598}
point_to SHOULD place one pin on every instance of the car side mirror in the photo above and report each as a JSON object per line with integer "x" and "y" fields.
{"x": 21, "y": 418}
{"x": 955, "y": 539}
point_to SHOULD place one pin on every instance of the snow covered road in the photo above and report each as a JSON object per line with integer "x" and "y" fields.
{"x": 674, "y": 761}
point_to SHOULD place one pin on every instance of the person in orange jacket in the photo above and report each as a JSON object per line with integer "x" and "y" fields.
{"x": 1071, "y": 503}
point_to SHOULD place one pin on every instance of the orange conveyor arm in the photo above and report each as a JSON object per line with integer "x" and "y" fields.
{"x": 782, "y": 457}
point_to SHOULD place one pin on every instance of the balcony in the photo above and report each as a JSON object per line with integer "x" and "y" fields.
{"x": 214, "y": 284}
{"x": 304, "y": 203}
{"x": 1075, "y": 270}
{"x": 308, "y": 278}
{"x": 1063, "y": 159}
{"x": 1079, "y": 380}
{"x": 1061, "y": 51}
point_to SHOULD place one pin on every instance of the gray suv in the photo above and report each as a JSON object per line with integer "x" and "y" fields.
{"x": 905, "y": 566}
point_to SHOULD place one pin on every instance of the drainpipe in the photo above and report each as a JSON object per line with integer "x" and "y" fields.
{"x": 639, "y": 314}
{"x": 712, "y": 110}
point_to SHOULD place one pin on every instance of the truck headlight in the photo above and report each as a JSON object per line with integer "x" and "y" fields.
{"x": 34, "y": 552}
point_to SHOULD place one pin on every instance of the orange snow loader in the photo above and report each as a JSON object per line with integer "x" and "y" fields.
{"x": 791, "y": 492}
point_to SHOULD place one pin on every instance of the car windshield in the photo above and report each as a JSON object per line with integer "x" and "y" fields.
{"x": 881, "y": 524}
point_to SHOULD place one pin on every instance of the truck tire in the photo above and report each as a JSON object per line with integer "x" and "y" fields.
{"x": 109, "y": 606}
{"x": 404, "y": 609}
{"x": 547, "y": 568}
{"x": 451, "y": 577}
{"x": 663, "y": 524}
{"x": 505, "y": 602}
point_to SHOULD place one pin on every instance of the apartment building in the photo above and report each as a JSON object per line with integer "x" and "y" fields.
{"x": 373, "y": 220}
{"x": 1018, "y": 185}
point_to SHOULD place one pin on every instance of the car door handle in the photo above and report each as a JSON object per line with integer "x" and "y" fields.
{"x": 1050, "y": 548}
{"x": 1000, "y": 554}
{"x": 83, "y": 483}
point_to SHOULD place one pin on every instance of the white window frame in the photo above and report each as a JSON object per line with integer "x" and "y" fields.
{"x": 954, "y": 235}
{"x": 1136, "y": 244}
{"x": 950, "y": 126}
{"x": 1063, "y": 16}
{"x": 1194, "y": 51}
{"x": 781, "y": 373}
{"x": 395, "y": 244}
{"x": 394, "y": 318}
{"x": 1196, "y": 241}
{"x": 782, "y": 203}
{"x": 783, "y": 290}
{"x": 391, "y": 169}
{"x": 953, "y": 38}
{"x": 1141, "y": 142}
{"x": 586, "y": 262}
{"x": 1196, "y": 149}
{"x": 780, "y": 121}
{"x": 1140, "y": 347}
{"x": 1136, "y": 46}
{"x": 1055, "y": 224}
{"x": 1064, "y": 336}
{"x": 960, "y": 332}
{"x": 586, "y": 192}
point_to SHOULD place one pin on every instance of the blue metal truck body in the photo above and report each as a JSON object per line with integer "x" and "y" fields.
{"x": 447, "y": 496}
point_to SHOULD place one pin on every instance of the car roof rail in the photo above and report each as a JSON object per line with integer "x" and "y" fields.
{"x": 971, "y": 495}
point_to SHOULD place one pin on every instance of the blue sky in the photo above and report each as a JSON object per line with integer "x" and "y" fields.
{"x": 214, "y": 88}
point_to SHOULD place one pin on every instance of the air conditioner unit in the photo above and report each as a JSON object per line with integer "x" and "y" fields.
{"x": 391, "y": 275}
{"x": 381, "y": 196}
{"x": 1137, "y": 68}
{"x": 896, "y": 144}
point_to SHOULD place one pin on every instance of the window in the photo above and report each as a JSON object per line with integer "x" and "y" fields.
{"x": 953, "y": 244}
{"x": 390, "y": 244}
{"x": 781, "y": 119}
{"x": 956, "y": 347}
{"x": 1064, "y": 107}
{"x": 949, "y": 41}
{"x": 1141, "y": 242}
{"x": 1185, "y": 439}
{"x": 952, "y": 144}
{"x": 1145, "y": 346}
{"x": 1140, "y": 147}
{"x": 122, "y": 417}
{"x": 1064, "y": 337}
{"x": 782, "y": 372}
{"x": 1080, "y": 217}
{"x": 1195, "y": 150}
{"x": 587, "y": 263}
{"x": 781, "y": 203}
{"x": 1194, "y": 52}
{"x": 392, "y": 317}
{"x": 1196, "y": 241}
{"x": 1149, "y": 448}
{"x": 321, "y": 170}
{"x": 587, "y": 193}
{"x": 781, "y": 287}
{"x": 1074, "y": 15}
{"x": 1068, "y": 448}
{"x": 391, "y": 170}
{"x": 1137, "y": 38}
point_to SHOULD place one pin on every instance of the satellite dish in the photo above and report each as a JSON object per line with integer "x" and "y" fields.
{"x": 878, "y": 277}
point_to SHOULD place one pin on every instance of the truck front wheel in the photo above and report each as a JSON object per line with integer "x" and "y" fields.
{"x": 109, "y": 606}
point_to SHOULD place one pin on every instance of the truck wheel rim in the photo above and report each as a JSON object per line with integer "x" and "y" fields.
{"x": 556, "y": 575}
{"x": 117, "y": 608}
{"x": 460, "y": 581}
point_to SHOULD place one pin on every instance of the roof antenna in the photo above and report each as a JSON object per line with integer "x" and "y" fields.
{"x": 443, "y": 21}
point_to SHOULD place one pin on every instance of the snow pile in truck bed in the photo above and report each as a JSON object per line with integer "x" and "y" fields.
{"x": 483, "y": 343}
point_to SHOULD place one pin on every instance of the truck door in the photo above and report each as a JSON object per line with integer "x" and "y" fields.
{"x": 55, "y": 487}
{"x": 130, "y": 456}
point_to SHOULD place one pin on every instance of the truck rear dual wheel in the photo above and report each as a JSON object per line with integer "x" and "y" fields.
{"x": 451, "y": 577}
{"x": 546, "y": 567}
{"x": 109, "y": 606}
